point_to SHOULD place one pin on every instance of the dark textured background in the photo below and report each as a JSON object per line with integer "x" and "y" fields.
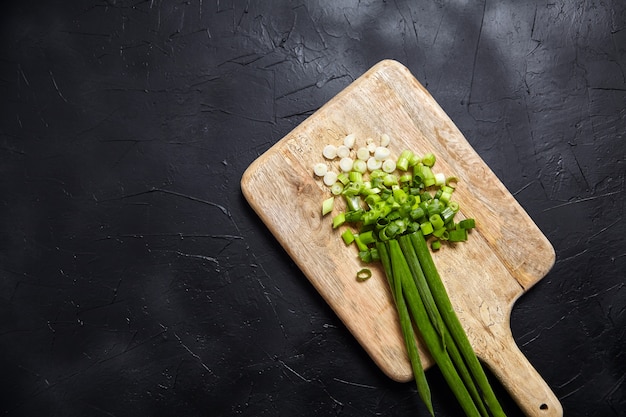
{"x": 136, "y": 281}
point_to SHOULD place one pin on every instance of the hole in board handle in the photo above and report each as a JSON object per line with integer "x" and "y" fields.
{"x": 543, "y": 406}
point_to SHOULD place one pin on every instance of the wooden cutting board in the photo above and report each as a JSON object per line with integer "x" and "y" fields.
{"x": 505, "y": 255}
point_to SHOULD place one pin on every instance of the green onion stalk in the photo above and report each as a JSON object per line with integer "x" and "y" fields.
{"x": 390, "y": 217}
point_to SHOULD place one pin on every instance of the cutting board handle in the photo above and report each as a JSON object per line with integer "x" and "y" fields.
{"x": 523, "y": 382}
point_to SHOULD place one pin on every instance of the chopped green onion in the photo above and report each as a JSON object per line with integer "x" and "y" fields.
{"x": 359, "y": 166}
{"x": 320, "y": 169}
{"x": 436, "y": 221}
{"x": 457, "y": 235}
{"x": 343, "y": 151}
{"x": 353, "y": 201}
{"x": 389, "y": 165}
{"x": 372, "y": 199}
{"x": 382, "y": 153}
{"x": 330, "y": 152}
{"x": 338, "y": 220}
{"x": 336, "y": 188}
{"x": 343, "y": 178}
{"x": 363, "y": 154}
{"x": 352, "y": 189}
{"x": 417, "y": 213}
{"x": 414, "y": 160}
{"x": 447, "y": 214}
{"x": 328, "y": 205}
{"x": 367, "y": 237}
{"x": 389, "y": 180}
{"x": 373, "y": 164}
{"x": 347, "y": 236}
{"x": 354, "y": 216}
{"x": 405, "y": 178}
{"x": 441, "y": 233}
{"x": 349, "y": 140}
{"x": 330, "y": 178}
{"x": 362, "y": 247}
{"x": 346, "y": 164}
{"x": 365, "y": 256}
{"x": 426, "y": 175}
{"x": 452, "y": 181}
{"x": 445, "y": 197}
{"x": 429, "y": 159}
{"x": 467, "y": 224}
{"x": 404, "y": 160}
{"x": 434, "y": 206}
{"x": 454, "y": 206}
{"x": 355, "y": 177}
{"x": 426, "y": 228}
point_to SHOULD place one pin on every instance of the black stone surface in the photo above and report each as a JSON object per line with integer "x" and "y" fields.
{"x": 136, "y": 281}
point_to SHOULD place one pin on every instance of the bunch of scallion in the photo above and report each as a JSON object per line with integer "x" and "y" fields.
{"x": 391, "y": 212}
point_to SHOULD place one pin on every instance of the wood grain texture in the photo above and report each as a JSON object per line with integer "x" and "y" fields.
{"x": 505, "y": 256}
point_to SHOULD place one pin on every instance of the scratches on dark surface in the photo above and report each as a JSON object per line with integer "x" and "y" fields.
{"x": 194, "y": 355}
{"x": 583, "y": 200}
{"x": 222, "y": 208}
{"x": 475, "y": 57}
{"x": 354, "y": 384}
{"x": 571, "y": 390}
{"x": 196, "y": 256}
{"x": 293, "y": 371}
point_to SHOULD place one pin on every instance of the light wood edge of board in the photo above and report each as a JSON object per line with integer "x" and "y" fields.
{"x": 501, "y": 355}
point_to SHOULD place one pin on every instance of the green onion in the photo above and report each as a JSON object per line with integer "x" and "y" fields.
{"x": 328, "y": 205}
{"x": 452, "y": 181}
{"x": 364, "y": 274}
{"x": 343, "y": 178}
{"x": 365, "y": 256}
{"x": 407, "y": 329}
{"x": 354, "y": 216}
{"x": 352, "y": 189}
{"x": 436, "y": 221}
{"x": 367, "y": 237}
{"x": 359, "y": 166}
{"x": 441, "y": 233}
{"x": 467, "y": 224}
{"x": 457, "y": 235}
{"x": 356, "y": 177}
{"x": 347, "y": 236}
{"x": 362, "y": 247}
{"x": 393, "y": 211}
{"x": 352, "y": 201}
{"x": 429, "y": 159}
{"x": 404, "y": 160}
{"x": 447, "y": 214}
{"x": 336, "y": 188}
{"x": 431, "y": 336}
{"x": 445, "y": 307}
{"x": 338, "y": 220}
{"x": 402, "y": 245}
{"x": 427, "y": 228}
{"x": 417, "y": 213}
